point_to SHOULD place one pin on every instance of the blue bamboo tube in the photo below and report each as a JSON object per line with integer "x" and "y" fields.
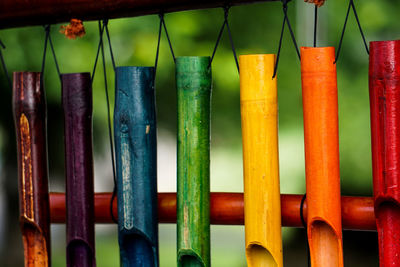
{"x": 136, "y": 161}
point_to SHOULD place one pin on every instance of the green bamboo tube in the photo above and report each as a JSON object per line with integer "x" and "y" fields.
{"x": 193, "y": 80}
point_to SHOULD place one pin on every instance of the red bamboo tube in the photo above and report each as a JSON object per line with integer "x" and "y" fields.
{"x": 321, "y": 145}
{"x": 228, "y": 209}
{"x": 384, "y": 88}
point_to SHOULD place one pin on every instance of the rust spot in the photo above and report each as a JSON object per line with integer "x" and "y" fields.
{"x": 26, "y": 154}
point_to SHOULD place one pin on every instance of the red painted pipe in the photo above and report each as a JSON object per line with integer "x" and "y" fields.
{"x": 227, "y": 209}
{"x": 384, "y": 89}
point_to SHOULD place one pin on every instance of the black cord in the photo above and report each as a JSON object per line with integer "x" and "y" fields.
{"x": 54, "y": 56}
{"x": 305, "y": 227}
{"x": 359, "y": 26}
{"x": 225, "y": 23}
{"x": 3, "y": 63}
{"x": 47, "y": 33}
{"x": 101, "y": 30}
{"x": 315, "y": 25}
{"x": 351, "y": 5}
{"x": 166, "y": 34}
{"x": 158, "y": 47}
{"x": 105, "y": 22}
{"x": 285, "y": 20}
{"x": 47, "y": 29}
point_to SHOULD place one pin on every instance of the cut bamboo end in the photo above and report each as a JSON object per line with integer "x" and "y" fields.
{"x": 325, "y": 245}
{"x": 35, "y": 246}
{"x": 189, "y": 258}
{"x": 259, "y": 256}
{"x": 259, "y": 108}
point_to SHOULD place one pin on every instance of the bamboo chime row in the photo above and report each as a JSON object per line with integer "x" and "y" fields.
{"x": 136, "y": 147}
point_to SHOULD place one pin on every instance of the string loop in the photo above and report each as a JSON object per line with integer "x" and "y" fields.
{"x": 104, "y": 28}
{"x": 285, "y": 20}
{"x": 47, "y": 40}
{"x": 351, "y": 6}
{"x": 225, "y": 23}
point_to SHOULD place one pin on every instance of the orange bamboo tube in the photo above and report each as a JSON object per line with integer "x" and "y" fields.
{"x": 321, "y": 143}
{"x": 262, "y": 204}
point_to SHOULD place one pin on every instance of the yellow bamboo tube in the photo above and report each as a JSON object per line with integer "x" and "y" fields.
{"x": 259, "y": 112}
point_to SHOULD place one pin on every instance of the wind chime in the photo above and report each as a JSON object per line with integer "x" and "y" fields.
{"x": 261, "y": 208}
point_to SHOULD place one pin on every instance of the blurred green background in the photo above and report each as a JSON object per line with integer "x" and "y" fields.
{"x": 256, "y": 29}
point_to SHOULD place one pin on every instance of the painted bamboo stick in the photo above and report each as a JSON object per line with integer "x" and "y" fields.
{"x": 228, "y": 209}
{"x": 259, "y": 111}
{"x": 77, "y": 105}
{"x": 29, "y": 105}
{"x": 384, "y": 89}
{"x": 136, "y": 157}
{"x": 193, "y": 79}
{"x": 321, "y": 143}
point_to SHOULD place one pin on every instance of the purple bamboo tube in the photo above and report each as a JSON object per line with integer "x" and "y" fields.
{"x": 77, "y": 105}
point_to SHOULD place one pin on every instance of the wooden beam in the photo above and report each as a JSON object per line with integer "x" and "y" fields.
{"x": 228, "y": 209}
{"x": 18, "y": 13}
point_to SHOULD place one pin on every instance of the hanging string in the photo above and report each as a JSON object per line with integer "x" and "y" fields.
{"x": 101, "y": 30}
{"x": 305, "y": 227}
{"x": 351, "y": 5}
{"x": 158, "y": 46}
{"x": 225, "y": 23}
{"x": 101, "y": 49}
{"x": 285, "y": 20}
{"x": 47, "y": 39}
{"x": 105, "y": 22}
{"x": 315, "y": 24}
{"x": 47, "y": 32}
{"x": 3, "y": 63}
{"x": 162, "y": 21}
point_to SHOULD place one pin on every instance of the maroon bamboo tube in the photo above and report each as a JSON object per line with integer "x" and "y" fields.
{"x": 77, "y": 105}
{"x": 227, "y": 209}
{"x": 30, "y": 124}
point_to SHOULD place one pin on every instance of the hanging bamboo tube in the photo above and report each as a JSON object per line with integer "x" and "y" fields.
{"x": 136, "y": 158}
{"x": 77, "y": 105}
{"x": 193, "y": 79}
{"x": 29, "y": 105}
{"x": 262, "y": 203}
{"x": 321, "y": 143}
{"x": 384, "y": 89}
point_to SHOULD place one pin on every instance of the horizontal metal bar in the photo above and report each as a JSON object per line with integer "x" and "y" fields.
{"x": 18, "y": 13}
{"x": 228, "y": 209}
